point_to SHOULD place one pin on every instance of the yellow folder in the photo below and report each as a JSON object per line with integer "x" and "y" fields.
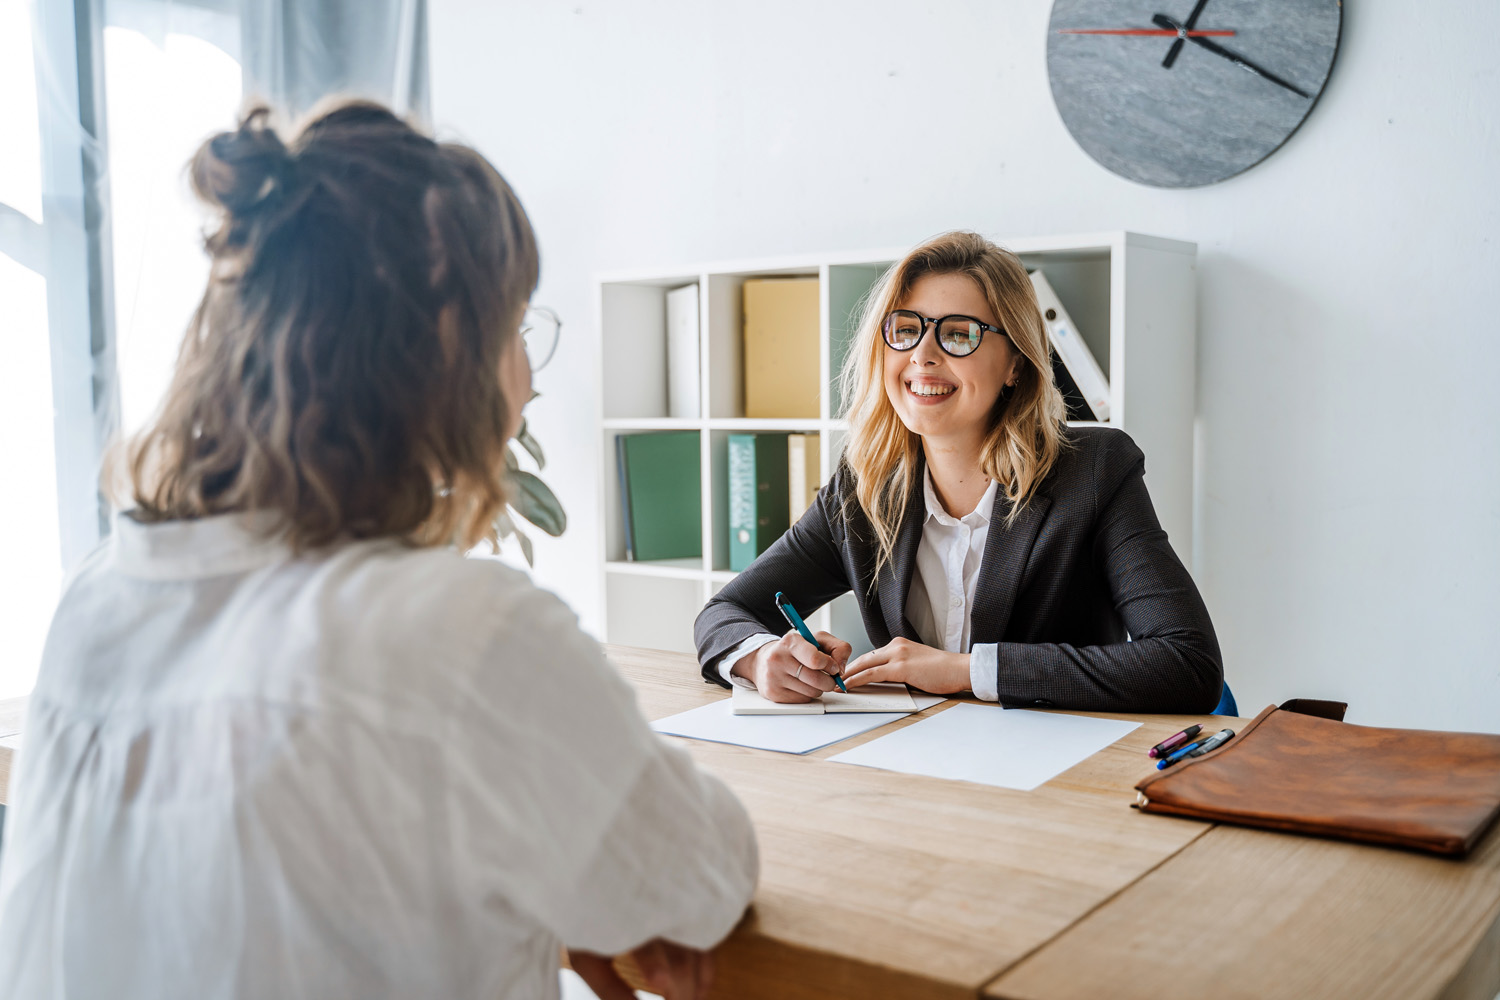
{"x": 781, "y": 347}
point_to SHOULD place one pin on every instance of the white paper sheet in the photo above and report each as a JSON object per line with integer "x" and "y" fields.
{"x": 799, "y": 734}
{"x": 1011, "y": 748}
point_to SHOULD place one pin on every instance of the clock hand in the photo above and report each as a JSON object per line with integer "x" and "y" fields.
{"x": 1238, "y": 60}
{"x": 1152, "y": 32}
{"x": 1176, "y": 48}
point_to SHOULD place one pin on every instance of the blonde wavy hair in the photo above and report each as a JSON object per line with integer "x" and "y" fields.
{"x": 1027, "y": 424}
{"x": 342, "y": 369}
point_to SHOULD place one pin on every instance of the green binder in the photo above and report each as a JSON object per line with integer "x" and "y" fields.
{"x": 661, "y": 493}
{"x": 757, "y": 495}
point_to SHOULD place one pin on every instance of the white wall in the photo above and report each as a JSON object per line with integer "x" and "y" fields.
{"x": 1349, "y": 505}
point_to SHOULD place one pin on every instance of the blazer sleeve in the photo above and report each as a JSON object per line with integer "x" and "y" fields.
{"x": 1172, "y": 663}
{"x": 805, "y": 563}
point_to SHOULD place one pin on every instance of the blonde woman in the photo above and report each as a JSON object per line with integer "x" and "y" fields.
{"x": 992, "y": 548}
{"x": 286, "y": 741}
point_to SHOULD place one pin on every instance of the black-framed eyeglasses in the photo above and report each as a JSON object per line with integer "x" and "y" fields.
{"x": 958, "y": 336}
{"x": 540, "y": 331}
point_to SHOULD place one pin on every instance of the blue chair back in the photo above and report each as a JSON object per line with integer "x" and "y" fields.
{"x": 1226, "y": 704}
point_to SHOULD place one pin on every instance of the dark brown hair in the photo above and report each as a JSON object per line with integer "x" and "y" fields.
{"x": 342, "y": 368}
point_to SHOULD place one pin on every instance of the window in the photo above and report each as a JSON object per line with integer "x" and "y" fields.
{"x": 32, "y": 567}
{"x": 90, "y": 332}
{"x": 172, "y": 79}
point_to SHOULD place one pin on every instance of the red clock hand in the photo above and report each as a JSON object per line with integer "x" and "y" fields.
{"x": 1152, "y": 32}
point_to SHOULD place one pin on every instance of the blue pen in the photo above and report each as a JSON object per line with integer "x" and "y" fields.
{"x": 1177, "y": 755}
{"x": 795, "y": 621}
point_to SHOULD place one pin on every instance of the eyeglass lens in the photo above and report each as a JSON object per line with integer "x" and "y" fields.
{"x": 958, "y": 335}
{"x": 539, "y": 333}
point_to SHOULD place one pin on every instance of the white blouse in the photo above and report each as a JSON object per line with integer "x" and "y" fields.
{"x": 364, "y": 771}
{"x": 949, "y": 558}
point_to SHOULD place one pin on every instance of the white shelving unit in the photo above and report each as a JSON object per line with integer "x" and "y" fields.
{"x": 1132, "y": 296}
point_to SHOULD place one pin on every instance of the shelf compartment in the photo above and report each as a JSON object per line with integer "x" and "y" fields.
{"x": 613, "y": 504}
{"x": 1081, "y": 279}
{"x": 633, "y": 346}
{"x": 724, "y": 357}
{"x": 652, "y": 611}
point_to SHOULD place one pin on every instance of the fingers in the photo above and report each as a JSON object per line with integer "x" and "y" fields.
{"x": 871, "y": 675}
{"x": 837, "y": 648}
{"x": 598, "y": 971}
{"x": 797, "y": 658}
{"x": 866, "y": 662}
{"x": 883, "y": 664}
{"x": 793, "y": 670}
{"x": 808, "y": 654}
{"x": 784, "y": 685}
{"x": 705, "y": 974}
{"x": 669, "y": 969}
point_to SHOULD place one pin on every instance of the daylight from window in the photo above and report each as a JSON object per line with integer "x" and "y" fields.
{"x": 166, "y": 95}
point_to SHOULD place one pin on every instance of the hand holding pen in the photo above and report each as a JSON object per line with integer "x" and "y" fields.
{"x": 798, "y": 667}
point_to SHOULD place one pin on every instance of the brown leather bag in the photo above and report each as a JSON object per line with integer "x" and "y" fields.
{"x": 1289, "y": 770}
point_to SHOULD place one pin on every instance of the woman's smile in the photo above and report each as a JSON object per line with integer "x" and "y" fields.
{"x": 930, "y": 390}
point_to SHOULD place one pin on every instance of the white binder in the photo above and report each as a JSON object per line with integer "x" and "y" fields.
{"x": 683, "y": 380}
{"x": 1070, "y": 346}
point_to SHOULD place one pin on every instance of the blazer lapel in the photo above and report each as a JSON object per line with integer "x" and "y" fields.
{"x": 1006, "y": 553}
{"x": 894, "y": 581}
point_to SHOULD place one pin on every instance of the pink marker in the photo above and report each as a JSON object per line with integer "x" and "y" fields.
{"x": 1165, "y": 746}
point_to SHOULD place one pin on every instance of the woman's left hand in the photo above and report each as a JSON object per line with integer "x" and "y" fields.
{"x": 912, "y": 663}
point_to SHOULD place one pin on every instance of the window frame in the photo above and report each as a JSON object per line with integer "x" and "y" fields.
{"x": 69, "y": 248}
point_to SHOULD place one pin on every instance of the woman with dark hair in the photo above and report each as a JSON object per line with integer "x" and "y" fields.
{"x": 286, "y": 742}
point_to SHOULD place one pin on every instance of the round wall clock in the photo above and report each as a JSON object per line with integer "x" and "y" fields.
{"x": 1182, "y": 93}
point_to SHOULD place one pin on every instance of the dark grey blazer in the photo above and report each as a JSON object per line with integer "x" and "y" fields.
{"x": 1090, "y": 606}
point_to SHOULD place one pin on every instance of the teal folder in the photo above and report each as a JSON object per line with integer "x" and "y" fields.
{"x": 758, "y": 491}
{"x": 661, "y": 493}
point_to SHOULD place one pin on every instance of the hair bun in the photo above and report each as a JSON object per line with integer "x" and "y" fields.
{"x": 239, "y": 170}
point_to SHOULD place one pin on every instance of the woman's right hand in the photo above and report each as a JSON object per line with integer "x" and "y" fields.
{"x": 791, "y": 669}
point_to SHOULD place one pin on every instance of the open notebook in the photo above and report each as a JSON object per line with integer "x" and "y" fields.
{"x": 869, "y": 698}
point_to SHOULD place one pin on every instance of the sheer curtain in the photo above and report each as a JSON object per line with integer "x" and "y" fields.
{"x": 297, "y": 52}
{"x": 101, "y": 265}
{"x": 178, "y": 70}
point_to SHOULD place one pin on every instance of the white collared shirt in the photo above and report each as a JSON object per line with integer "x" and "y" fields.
{"x": 941, "y": 598}
{"x": 368, "y": 770}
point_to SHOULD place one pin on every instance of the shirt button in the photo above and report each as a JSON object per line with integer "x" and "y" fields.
{"x": 955, "y": 602}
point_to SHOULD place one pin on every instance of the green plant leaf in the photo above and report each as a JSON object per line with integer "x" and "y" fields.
{"x": 525, "y": 440}
{"x": 536, "y": 502}
{"x": 505, "y": 527}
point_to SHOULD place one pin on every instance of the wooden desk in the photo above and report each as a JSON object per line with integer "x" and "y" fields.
{"x": 876, "y": 884}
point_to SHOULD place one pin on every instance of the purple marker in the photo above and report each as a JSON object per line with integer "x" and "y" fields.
{"x": 1177, "y": 740}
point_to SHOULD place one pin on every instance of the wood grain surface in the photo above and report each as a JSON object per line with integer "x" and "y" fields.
{"x": 1246, "y": 913}
{"x": 878, "y": 884}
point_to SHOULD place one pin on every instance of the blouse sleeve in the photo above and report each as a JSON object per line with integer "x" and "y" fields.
{"x": 568, "y": 807}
